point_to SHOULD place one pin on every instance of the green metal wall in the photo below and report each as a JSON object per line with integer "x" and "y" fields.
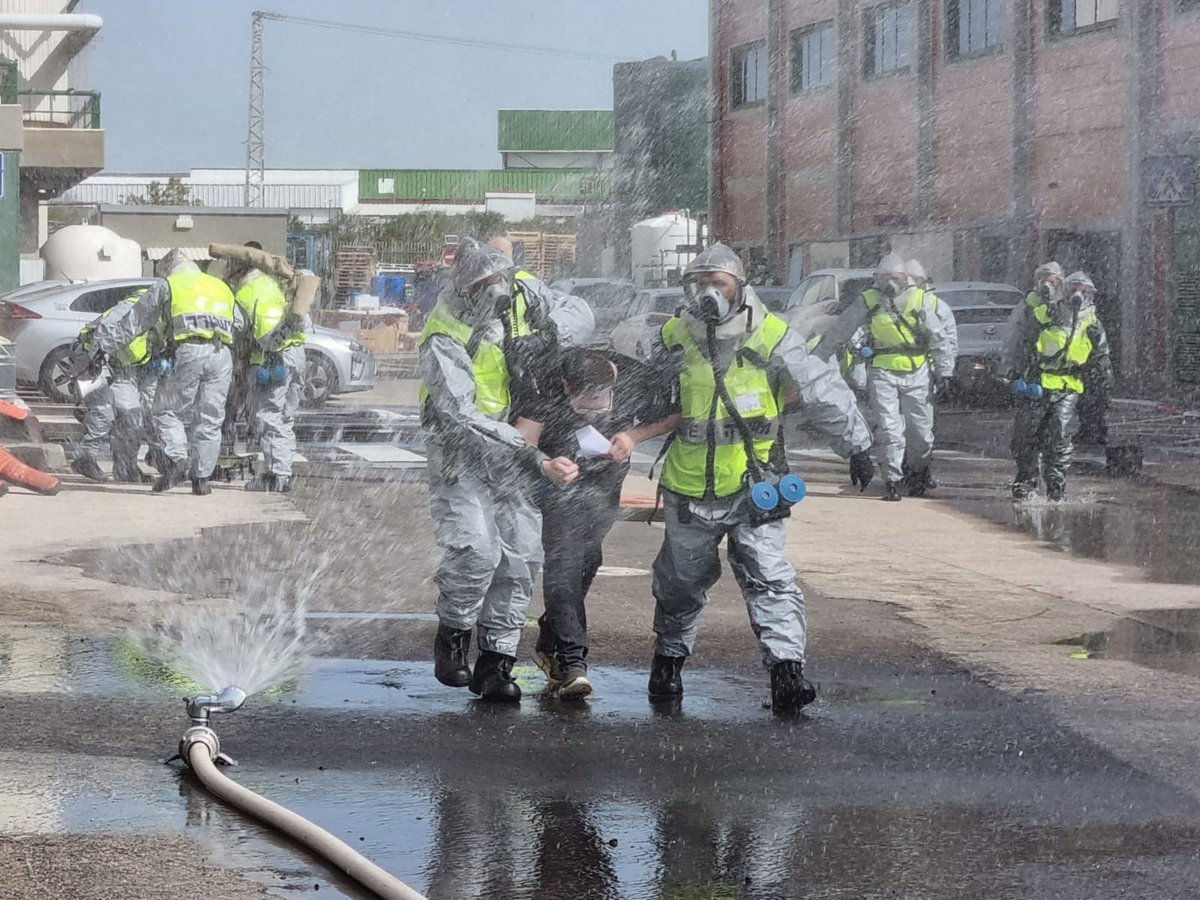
{"x": 10, "y": 222}
{"x": 470, "y": 185}
{"x": 554, "y": 130}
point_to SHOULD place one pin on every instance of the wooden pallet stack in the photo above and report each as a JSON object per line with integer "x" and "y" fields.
{"x": 545, "y": 254}
{"x": 352, "y": 271}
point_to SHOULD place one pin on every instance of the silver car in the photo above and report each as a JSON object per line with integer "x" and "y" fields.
{"x": 43, "y": 319}
{"x": 650, "y": 308}
{"x": 609, "y": 299}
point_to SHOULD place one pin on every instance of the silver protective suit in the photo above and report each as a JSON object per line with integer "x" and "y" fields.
{"x": 191, "y": 396}
{"x": 116, "y": 416}
{"x": 688, "y": 564}
{"x": 900, "y": 403}
{"x": 480, "y": 474}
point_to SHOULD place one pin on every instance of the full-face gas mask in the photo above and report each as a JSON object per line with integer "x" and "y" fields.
{"x": 485, "y": 301}
{"x": 707, "y": 303}
{"x": 893, "y": 287}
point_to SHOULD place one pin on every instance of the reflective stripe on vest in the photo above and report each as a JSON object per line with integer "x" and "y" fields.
{"x": 896, "y": 349}
{"x": 518, "y": 324}
{"x": 265, "y": 306}
{"x": 201, "y": 306}
{"x": 491, "y": 372}
{"x": 686, "y": 468}
{"x": 1059, "y": 368}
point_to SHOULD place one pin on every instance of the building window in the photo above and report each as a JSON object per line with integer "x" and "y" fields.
{"x": 974, "y": 26}
{"x": 813, "y": 53}
{"x": 888, "y": 34}
{"x": 749, "y": 74}
{"x": 1071, "y": 16}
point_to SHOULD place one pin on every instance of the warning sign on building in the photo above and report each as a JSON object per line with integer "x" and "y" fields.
{"x": 1169, "y": 180}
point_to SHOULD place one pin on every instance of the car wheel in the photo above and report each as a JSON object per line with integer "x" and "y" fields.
{"x": 55, "y": 367}
{"x": 320, "y": 379}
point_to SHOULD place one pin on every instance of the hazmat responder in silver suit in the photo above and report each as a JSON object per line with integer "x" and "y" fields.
{"x": 913, "y": 343}
{"x": 481, "y": 472}
{"x": 116, "y": 414}
{"x": 1056, "y": 349}
{"x": 736, "y": 365}
{"x": 275, "y": 341}
{"x": 194, "y": 312}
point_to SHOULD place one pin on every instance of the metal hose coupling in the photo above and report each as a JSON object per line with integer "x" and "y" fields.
{"x": 199, "y": 708}
{"x": 199, "y": 734}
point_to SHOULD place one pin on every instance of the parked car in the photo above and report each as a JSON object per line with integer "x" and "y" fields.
{"x": 649, "y": 309}
{"x": 773, "y": 297}
{"x": 822, "y": 296}
{"x": 43, "y": 319}
{"x": 609, "y": 299}
{"x": 981, "y": 311}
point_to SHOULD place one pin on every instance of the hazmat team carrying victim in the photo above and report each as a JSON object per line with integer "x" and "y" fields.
{"x": 501, "y": 347}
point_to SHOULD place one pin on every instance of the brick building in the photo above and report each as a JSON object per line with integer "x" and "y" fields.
{"x": 981, "y": 136}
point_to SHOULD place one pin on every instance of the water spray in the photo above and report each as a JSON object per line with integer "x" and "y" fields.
{"x": 200, "y": 749}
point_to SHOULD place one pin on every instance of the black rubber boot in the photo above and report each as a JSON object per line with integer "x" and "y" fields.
{"x": 492, "y": 679}
{"x": 1022, "y": 490}
{"x": 176, "y": 474}
{"x": 666, "y": 678}
{"x": 450, "y": 649}
{"x": 918, "y": 483}
{"x": 790, "y": 690}
{"x": 263, "y": 482}
{"x": 88, "y": 468}
{"x": 891, "y": 491}
{"x": 201, "y": 487}
{"x": 1056, "y": 492}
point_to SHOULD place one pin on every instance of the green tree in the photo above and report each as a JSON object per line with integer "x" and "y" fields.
{"x": 173, "y": 193}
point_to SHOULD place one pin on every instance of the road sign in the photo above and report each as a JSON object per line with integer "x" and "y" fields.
{"x": 1169, "y": 180}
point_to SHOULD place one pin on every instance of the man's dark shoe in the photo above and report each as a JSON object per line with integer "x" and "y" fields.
{"x": 1022, "y": 490}
{"x": 919, "y": 482}
{"x": 891, "y": 491}
{"x": 450, "y": 649}
{"x": 201, "y": 487}
{"x": 790, "y": 690}
{"x": 574, "y": 684}
{"x": 492, "y": 679}
{"x": 88, "y": 468}
{"x": 175, "y": 474}
{"x": 263, "y": 482}
{"x": 666, "y": 678}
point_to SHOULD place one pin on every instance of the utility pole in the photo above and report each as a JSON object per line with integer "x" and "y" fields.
{"x": 256, "y": 117}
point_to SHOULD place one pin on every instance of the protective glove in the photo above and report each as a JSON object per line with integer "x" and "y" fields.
{"x": 862, "y": 470}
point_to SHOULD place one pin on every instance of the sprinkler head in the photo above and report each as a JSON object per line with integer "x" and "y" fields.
{"x": 199, "y": 708}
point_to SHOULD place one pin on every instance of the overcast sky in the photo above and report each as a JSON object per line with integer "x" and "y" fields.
{"x": 174, "y": 76}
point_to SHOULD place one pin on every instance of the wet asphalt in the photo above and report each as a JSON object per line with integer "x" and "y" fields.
{"x": 909, "y": 778}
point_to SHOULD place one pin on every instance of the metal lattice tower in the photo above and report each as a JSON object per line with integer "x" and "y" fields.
{"x": 256, "y": 117}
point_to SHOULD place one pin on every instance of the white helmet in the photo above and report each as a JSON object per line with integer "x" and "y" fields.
{"x": 893, "y": 263}
{"x": 1080, "y": 279}
{"x": 1049, "y": 268}
{"x": 717, "y": 258}
{"x": 916, "y": 272}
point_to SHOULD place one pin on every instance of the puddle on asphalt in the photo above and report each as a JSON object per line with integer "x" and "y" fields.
{"x": 1154, "y": 529}
{"x": 38, "y": 661}
{"x": 1167, "y": 639}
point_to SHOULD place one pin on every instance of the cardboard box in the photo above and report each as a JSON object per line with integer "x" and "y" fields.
{"x": 384, "y": 339}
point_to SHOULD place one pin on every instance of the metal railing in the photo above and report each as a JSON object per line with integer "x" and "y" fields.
{"x": 61, "y": 109}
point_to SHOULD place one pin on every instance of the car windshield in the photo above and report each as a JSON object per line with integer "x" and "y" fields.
{"x": 667, "y": 303}
{"x": 604, "y": 296}
{"x": 973, "y": 297}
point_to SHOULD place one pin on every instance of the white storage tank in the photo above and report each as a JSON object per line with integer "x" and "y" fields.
{"x": 89, "y": 253}
{"x": 653, "y": 243}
